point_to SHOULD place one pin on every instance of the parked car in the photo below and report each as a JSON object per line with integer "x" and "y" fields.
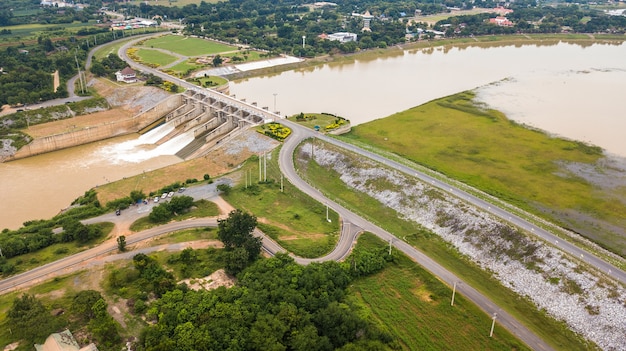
{"x": 170, "y": 194}
{"x": 164, "y": 196}
{"x": 182, "y": 189}
{"x": 118, "y": 212}
{"x": 156, "y": 199}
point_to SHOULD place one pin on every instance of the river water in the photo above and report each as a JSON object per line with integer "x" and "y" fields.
{"x": 566, "y": 89}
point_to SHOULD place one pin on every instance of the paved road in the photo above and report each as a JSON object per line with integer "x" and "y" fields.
{"x": 352, "y": 224}
{"x": 353, "y": 220}
{"x": 565, "y": 246}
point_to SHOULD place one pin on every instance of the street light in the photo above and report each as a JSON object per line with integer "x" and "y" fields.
{"x": 327, "y": 219}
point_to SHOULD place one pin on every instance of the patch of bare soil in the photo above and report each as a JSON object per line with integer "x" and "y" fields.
{"x": 79, "y": 122}
{"x": 213, "y": 281}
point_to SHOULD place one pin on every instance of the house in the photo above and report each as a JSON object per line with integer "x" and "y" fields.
{"x": 501, "y": 21}
{"x": 127, "y": 75}
{"x": 63, "y": 341}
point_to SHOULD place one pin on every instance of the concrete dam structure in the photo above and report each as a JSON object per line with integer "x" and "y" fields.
{"x": 200, "y": 118}
{"x": 209, "y": 118}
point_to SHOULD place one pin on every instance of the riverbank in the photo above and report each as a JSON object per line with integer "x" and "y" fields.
{"x": 567, "y": 182}
{"x": 482, "y": 41}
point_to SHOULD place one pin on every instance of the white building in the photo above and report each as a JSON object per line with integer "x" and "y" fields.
{"x": 342, "y": 37}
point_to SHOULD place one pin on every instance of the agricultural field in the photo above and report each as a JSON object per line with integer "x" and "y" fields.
{"x": 187, "y": 46}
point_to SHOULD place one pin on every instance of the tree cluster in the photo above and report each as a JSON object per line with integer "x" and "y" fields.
{"x": 276, "y": 305}
{"x": 108, "y": 66}
{"x": 536, "y": 20}
{"x": 32, "y": 321}
{"x": 167, "y": 210}
{"x": 242, "y": 248}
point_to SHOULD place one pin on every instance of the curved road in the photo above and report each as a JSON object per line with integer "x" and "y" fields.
{"x": 352, "y": 224}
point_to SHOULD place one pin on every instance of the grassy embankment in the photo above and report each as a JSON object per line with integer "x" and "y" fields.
{"x": 291, "y": 218}
{"x": 485, "y": 150}
{"x": 414, "y": 306}
{"x": 555, "y": 333}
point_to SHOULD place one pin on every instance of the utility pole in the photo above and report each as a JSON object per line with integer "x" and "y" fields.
{"x": 390, "y": 241}
{"x": 282, "y": 189}
{"x": 80, "y": 81}
{"x": 264, "y": 167}
{"x": 453, "y": 292}
{"x": 260, "y": 169}
{"x": 493, "y": 323}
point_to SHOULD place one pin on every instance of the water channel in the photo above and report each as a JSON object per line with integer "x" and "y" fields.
{"x": 566, "y": 89}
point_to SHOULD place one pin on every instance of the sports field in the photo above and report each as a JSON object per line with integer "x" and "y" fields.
{"x": 187, "y": 46}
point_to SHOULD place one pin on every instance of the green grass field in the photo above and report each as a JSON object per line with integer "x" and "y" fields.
{"x": 33, "y": 30}
{"x": 415, "y": 307}
{"x": 184, "y": 67}
{"x": 484, "y": 149}
{"x": 328, "y": 182}
{"x": 187, "y": 46}
{"x": 294, "y": 220}
{"x": 155, "y": 57}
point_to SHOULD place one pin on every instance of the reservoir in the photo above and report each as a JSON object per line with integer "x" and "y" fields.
{"x": 566, "y": 89}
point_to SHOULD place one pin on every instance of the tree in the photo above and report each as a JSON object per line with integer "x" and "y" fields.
{"x": 83, "y": 302}
{"x": 30, "y": 320}
{"x": 241, "y": 246}
{"x": 121, "y": 243}
{"x": 103, "y": 326}
{"x": 179, "y": 204}
{"x": 224, "y": 188}
{"x": 137, "y": 195}
{"x": 160, "y": 214}
{"x": 217, "y": 60}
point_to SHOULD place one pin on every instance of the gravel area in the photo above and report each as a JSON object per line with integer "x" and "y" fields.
{"x": 251, "y": 141}
{"x": 590, "y": 303}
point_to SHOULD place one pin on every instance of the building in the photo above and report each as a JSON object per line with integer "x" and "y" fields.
{"x": 367, "y": 19}
{"x": 63, "y": 341}
{"x": 127, "y": 75}
{"x": 501, "y": 21}
{"x": 342, "y": 37}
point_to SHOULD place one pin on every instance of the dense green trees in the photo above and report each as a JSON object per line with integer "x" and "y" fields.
{"x": 167, "y": 210}
{"x": 30, "y": 320}
{"x": 108, "y": 66}
{"x": 276, "y": 305}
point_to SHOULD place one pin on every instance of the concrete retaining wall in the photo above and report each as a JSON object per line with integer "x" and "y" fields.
{"x": 99, "y": 132}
